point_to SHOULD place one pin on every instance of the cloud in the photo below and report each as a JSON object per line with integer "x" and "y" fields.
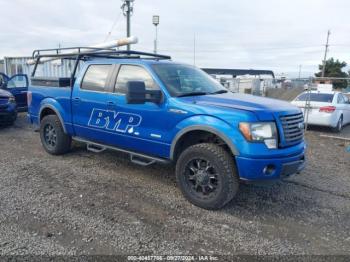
{"x": 272, "y": 34}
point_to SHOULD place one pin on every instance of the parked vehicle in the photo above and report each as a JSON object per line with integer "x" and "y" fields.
{"x": 17, "y": 85}
{"x": 157, "y": 110}
{"x": 326, "y": 108}
{"x": 8, "y": 108}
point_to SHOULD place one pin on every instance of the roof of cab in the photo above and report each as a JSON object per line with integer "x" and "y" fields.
{"x": 135, "y": 61}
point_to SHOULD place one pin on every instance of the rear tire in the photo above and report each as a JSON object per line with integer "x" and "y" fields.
{"x": 206, "y": 175}
{"x": 52, "y": 136}
{"x": 339, "y": 126}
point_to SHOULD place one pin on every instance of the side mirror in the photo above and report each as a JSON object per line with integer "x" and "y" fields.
{"x": 3, "y": 85}
{"x": 137, "y": 94}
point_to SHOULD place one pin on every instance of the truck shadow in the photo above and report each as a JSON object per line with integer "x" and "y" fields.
{"x": 274, "y": 198}
{"x": 6, "y": 126}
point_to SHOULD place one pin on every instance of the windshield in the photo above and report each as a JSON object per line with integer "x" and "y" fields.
{"x": 182, "y": 80}
{"x": 316, "y": 97}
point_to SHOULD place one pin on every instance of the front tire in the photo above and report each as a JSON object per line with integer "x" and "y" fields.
{"x": 206, "y": 175}
{"x": 52, "y": 136}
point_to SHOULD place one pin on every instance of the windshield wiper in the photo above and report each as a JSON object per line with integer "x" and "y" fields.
{"x": 222, "y": 91}
{"x": 193, "y": 94}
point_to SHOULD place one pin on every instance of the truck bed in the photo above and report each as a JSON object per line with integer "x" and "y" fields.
{"x": 53, "y": 91}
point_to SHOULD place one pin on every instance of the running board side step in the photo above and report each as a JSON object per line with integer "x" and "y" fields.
{"x": 95, "y": 148}
{"x": 137, "y": 158}
{"x": 141, "y": 160}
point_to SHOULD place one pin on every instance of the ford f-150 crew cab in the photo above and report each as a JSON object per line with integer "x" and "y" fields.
{"x": 158, "y": 110}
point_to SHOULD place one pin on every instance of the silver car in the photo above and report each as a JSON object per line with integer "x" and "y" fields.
{"x": 330, "y": 109}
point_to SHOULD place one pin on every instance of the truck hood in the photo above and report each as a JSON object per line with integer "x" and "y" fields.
{"x": 4, "y": 93}
{"x": 264, "y": 108}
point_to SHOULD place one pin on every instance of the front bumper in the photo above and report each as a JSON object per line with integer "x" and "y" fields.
{"x": 8, "y": 113}
{"x": 251, "y": 169}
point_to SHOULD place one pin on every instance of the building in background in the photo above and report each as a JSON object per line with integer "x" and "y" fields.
{"x": 248, "y": 81}
{"x": 2, "y": 68}
{"x": 19, "y": 65}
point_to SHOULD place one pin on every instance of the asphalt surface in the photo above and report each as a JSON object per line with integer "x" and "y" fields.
{"x": 86, "y": 203}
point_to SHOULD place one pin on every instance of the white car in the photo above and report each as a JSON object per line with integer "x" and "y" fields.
{"x": 330, "y": 109}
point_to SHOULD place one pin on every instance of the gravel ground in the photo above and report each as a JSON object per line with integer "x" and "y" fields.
{"x": 86, "y": 203}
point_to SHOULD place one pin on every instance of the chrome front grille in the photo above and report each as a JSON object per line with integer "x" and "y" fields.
{"x": 293, "y": 129}
{"x": 3, "y": 102}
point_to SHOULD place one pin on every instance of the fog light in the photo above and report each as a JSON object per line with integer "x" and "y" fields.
{"x": 269, "y": 170}
{"x": 271, "y": 143}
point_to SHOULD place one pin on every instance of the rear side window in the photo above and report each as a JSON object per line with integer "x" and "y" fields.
{"x": 340, "y": 99}
{"x": 95, "y": 78}
{"x": 133, "y": 73}
{"x": 316, "y": 97}
{"x": 346, "y": 99}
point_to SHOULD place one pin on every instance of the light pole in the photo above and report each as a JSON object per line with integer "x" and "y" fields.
{"x": 155, "y": 21}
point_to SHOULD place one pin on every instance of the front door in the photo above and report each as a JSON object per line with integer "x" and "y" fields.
{"x": 151, "y": 123}
{"x": 18, "y": 86}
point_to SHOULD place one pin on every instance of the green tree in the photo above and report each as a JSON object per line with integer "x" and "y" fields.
{"x": 334, "y": 69}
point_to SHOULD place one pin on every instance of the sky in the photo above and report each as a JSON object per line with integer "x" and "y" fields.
{"x": 279, "y": 35}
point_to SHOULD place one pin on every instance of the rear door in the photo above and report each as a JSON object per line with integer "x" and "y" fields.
{"x": 18, "y": 86}
{"x": 90, "y": 97}
{"x": 346, "y": 109}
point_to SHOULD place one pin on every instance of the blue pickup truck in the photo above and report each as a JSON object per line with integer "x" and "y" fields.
{"x": 157, "y": 110}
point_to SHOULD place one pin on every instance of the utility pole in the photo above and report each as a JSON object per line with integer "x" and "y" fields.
{"x": 325, "y": 54}
{"x": 194, "y": 49}
{"x": 128, "y": 9}
{"x": 299, "y": 71}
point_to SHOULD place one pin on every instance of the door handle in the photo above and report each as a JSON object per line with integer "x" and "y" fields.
{"x": 76, "y": 100}
{"x": 110, "y": 104}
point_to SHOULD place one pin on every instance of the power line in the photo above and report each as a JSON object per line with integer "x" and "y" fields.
{"x": 116, "y": 21}
{"x": 187, "y": 50}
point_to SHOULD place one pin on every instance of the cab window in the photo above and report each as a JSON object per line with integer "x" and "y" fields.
{"x": 133, "y": 73}
{"x": 95, "y": 78}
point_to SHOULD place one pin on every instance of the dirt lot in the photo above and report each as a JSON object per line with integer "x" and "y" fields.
{"x": 86, "y": 203}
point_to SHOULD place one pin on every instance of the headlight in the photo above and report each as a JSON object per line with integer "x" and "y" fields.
{"x": 12, "y": 99}
{"x": 264, "y": 132}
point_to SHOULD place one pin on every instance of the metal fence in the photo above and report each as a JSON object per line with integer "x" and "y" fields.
{"x": 18, "y": 65}
{"x": 254, "y": 86}
{"x": 2, "y": 69}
